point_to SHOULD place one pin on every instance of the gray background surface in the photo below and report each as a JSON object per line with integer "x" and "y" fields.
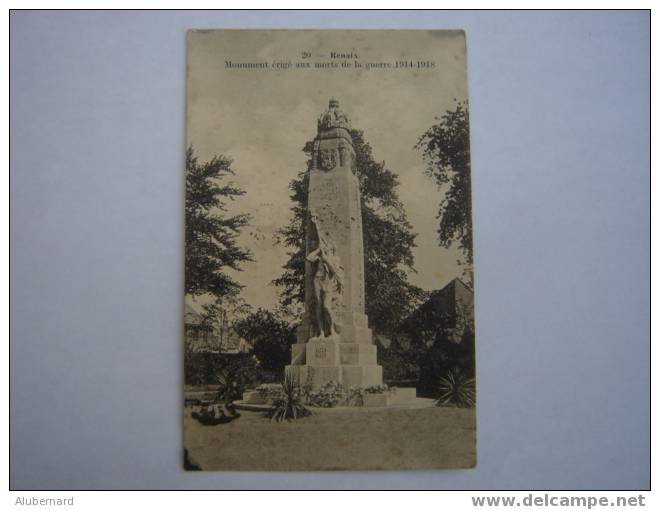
{"x": 560, "y": 142}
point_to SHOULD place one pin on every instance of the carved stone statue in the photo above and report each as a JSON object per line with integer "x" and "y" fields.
{"x": 327, "y": 282}
{"x": 333, "y": 117}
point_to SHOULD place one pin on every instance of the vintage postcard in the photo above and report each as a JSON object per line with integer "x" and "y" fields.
{"x": 329, "y": 289}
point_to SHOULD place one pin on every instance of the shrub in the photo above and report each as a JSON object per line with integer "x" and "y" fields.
{"x": 355, "y": 396}
{"x": 289, "y": 406}
{"x": 270, "y": 336}
{"x": 443, "y": 357}
{"x": 230, "y": 387}
{"x": 378, "y": 388}
{"x": 400, "y": 363}
{"x": 456, "y": 389}
{"x": 328, "y": 395}
{"x": 206, "y": 368}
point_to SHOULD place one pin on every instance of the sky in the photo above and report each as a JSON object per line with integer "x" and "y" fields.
{"x": 262, "y": 118}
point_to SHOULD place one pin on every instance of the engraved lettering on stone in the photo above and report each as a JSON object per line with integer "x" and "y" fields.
{"x": 329, "y": 190}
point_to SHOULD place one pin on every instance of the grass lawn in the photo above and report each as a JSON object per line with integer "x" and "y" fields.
{"x": 334, "y": 439}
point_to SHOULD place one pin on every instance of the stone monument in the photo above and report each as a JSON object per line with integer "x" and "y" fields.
{"x": 334, "y": 342}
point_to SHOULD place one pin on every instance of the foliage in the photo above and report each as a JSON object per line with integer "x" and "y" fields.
{"x": 400, "y": 359}
{"x": 223, "y": 312}
{"x": 289, "y": 406}
{"x": 210, "y": 415}
{"x": 292, "y": 281}
{"x": 328, "y": 395}
{"x": 377, "y": 388}
{"x": 211, "y": 234}
{"x": 355, "y": 396}
{"x": 441, "y": 334}
{"x": 231, "y": 385}
{"x": 388, "y": 241}
{"x": 444, "y": 356}
{"x": 216, "y": 322}
{"x": 210, "y": 368}
{"x": 446, "y": 148}
{"x": 456, "y": 389}
{"x": 332, "y": 394}
{"x": 270, "y": 336}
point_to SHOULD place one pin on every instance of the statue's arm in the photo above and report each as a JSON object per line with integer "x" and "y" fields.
{"x": 314, "y": 255}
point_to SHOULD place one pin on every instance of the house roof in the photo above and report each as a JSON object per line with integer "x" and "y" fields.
{"x": 442, "y": 302}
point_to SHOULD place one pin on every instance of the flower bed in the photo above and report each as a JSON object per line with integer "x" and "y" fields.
{"x": 331, "y": 394}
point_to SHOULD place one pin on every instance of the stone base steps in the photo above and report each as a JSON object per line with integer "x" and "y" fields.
{"x": 244, "y": 406}
{"x": 398, "y": 396}
{"x": 416, "y": 403}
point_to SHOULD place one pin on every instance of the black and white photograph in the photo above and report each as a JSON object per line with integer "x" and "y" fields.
{"x": 329, "y": 308}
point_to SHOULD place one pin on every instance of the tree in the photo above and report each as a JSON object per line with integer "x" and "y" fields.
{"x": 270, "y": 336}
{"x": 211, "y": 234}
{"x": 219, "y": 316}
{"x": 446, "y": 148}
{"x": 388, "y": 242}
{"x": 442, "y": 334}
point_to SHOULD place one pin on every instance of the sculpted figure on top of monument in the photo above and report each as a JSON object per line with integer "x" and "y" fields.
{"x": 328, "y": 277}
{"x": 333, "y": 117}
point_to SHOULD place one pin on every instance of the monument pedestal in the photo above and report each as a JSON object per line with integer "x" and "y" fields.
{"x": 321, "y": 360}
{"x": 349, "y": 376}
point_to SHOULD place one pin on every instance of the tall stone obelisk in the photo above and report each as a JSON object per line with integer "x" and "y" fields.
{"x": 334, "y": 340}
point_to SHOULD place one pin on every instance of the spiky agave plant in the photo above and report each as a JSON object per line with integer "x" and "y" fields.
{"x": 229, "y": 387}
{"x": 289, "y": 406}
{"x": 456, "y": 389}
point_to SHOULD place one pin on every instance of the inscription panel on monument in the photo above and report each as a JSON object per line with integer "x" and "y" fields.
{"x": 322, "y": 352}
{"x": 328, "y": 190}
